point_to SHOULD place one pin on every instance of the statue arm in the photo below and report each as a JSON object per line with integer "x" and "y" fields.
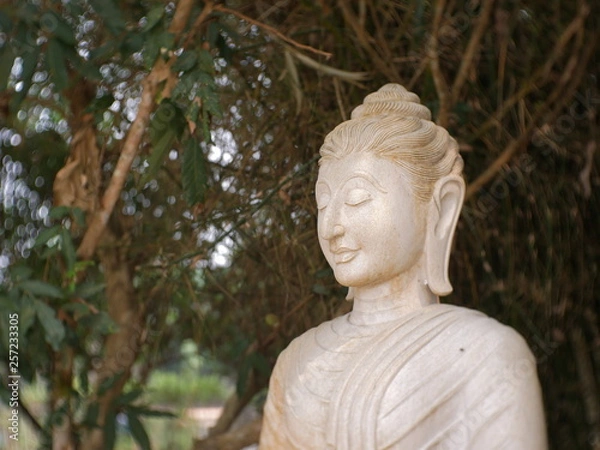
{"x": 516, "y": 403}
{"x": 273, "y": 434}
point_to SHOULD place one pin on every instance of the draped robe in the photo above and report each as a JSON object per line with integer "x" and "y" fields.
{"x": 442, "y": 377}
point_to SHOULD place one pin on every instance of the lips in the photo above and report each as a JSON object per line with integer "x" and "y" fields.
{"x": 344, "y": 255}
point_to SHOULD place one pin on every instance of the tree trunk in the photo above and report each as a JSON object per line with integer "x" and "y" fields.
{"x": 60, "y": 400}
{"x": 75, "y": 185}
{"x": 121, "y": 347}
{"x": 232, "y": 440}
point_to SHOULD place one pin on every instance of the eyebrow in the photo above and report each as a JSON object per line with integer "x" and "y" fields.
{"x": 368, "y": 177}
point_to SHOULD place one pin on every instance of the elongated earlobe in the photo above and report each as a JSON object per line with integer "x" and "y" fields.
{"x": 444, "y": 210}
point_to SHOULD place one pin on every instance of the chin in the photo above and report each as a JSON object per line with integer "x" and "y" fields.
{"x": 350, "y": 278}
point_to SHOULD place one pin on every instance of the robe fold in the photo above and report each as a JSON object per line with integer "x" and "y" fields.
{"x": 443, "y": 377}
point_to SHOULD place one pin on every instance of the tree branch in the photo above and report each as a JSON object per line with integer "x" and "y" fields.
{"x": 433, "y": 55}
{"x": 271, "y": 30}
{"x": 34, "y": 423}
{"x": 472, "y": 48}
{"x": 232, "y": 440}
{"x": 574, "y": 70}
{"x": 364, "y": 39}
{"x": 541, "y": 76}
{"x": 159, "y": 73}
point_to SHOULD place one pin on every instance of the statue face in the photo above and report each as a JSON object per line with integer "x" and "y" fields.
{"x": 368, "y": 224}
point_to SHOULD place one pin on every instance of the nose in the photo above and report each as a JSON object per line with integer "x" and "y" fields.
{"x": 329, "y": 226}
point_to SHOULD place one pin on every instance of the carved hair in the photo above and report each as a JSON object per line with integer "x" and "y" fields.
{"x": 392, "y": 123}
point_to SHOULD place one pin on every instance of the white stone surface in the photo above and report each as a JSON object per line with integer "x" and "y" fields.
{"x": 400, "y": 371}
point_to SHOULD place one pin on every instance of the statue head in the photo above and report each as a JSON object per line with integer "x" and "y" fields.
{"x": 389, "y": 193}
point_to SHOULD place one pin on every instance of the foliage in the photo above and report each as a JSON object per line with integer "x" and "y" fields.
{"x": 195, "y": 125}
{"x": 167, "y": 388}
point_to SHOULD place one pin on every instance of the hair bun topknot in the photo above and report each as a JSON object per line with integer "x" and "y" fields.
{"x": 392, "y": 99}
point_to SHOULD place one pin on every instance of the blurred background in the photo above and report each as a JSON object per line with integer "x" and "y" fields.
{"x": 157, "y": 221}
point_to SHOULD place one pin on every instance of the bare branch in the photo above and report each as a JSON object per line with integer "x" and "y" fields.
{"x": 571, "y": 76}
{"x": 434, "y": 60}
{"x": 269, "y": 29}
{"x": 201, "y": 19}
{"x": 365, "y": 41}
{"x": 541, "y": 76}
{"x": 472, "y": 49}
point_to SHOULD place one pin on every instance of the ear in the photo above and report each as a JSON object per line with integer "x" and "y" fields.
{"x": 442, "y": 216}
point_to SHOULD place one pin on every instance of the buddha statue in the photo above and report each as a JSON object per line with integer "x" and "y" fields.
{"x": 401, "y": 370}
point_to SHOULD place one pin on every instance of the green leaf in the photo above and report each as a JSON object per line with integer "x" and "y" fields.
{"x": 185, "y": 85}
{"x": 214, "y": 31}
{"x": 5, "y": 23}
{"x": 210, "y": 101}
{"x": 111, "y": 15}
{"x": 193, "y": 172}
{"x": 253, "y": 361}
{"x": 142, "y": 411}
{"x": 58, "y": 212}
{"x": 153, "y": 17}
{"x": 57, "y": 64}
{"x": 68, "y": 249}
{"x": 108, "y": 383}
{"x": 205, "y": 126}
{"x": 160, "y": 150}
{"x": 230, "y": 32}
{"x": 7, "y": 58}
{"x": 30, "y": 60}
{"x": 55, "y": 330}
{"x": 104, "y": 51}
{"x": 24, "y": 40}
{"x": 28, "y": 12}
{"x": 133, "y": 42}
{"x": 86, "y": 69}
{"x": 185, "y": 61}
{"x": 84, "y": 382}
{"x": 320, "y": 289}
{"x": 98, "y": 105}
{"x": 89, "y": 290}
{"x": 74, "y": 9}
{"x": 110, "y": 435}
{"x": 79, "y": 310}
{"x": 129, "y": 397}
{"x": 20, "y": 272}
{"x": 47, "y": 234}
{"x": 224, "y": 50}
{"x": 326, "y": 272}
{"x": 167, "y": 124}
{"x": 158, "y": 41}
{"x": 206, "y": 62}
{"x": 27, "y": 315}
{"x": 79, "y": 216}
{"x": 193, "y": 111}
{"x": 102, "y": 323}
{"x": 41, "y": 288}
{"x": 151, "y": 51}
{"x": 260, "y": 363}
{"x": 49, "y": 251}
{"x": 138, "y": 431}
{"x": 52, "y": 22}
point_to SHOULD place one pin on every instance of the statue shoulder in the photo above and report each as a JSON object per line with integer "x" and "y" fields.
{"x": 477, "y": 326}
{"x": 305, "y": 347}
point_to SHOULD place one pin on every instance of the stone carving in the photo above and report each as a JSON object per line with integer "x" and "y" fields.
{"x": 401, "y": 371}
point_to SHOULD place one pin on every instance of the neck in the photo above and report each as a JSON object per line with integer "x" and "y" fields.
{"x": 392, "y": 299}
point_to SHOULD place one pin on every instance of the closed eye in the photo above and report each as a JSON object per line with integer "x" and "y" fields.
{"x": 357, "y": 197}
{"x": 322, "y": 201}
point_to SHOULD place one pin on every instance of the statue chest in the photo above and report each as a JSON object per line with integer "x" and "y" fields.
{"x": 319, "y": 368}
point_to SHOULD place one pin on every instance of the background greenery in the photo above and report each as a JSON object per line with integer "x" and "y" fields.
{"x": 157, "y": 170}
